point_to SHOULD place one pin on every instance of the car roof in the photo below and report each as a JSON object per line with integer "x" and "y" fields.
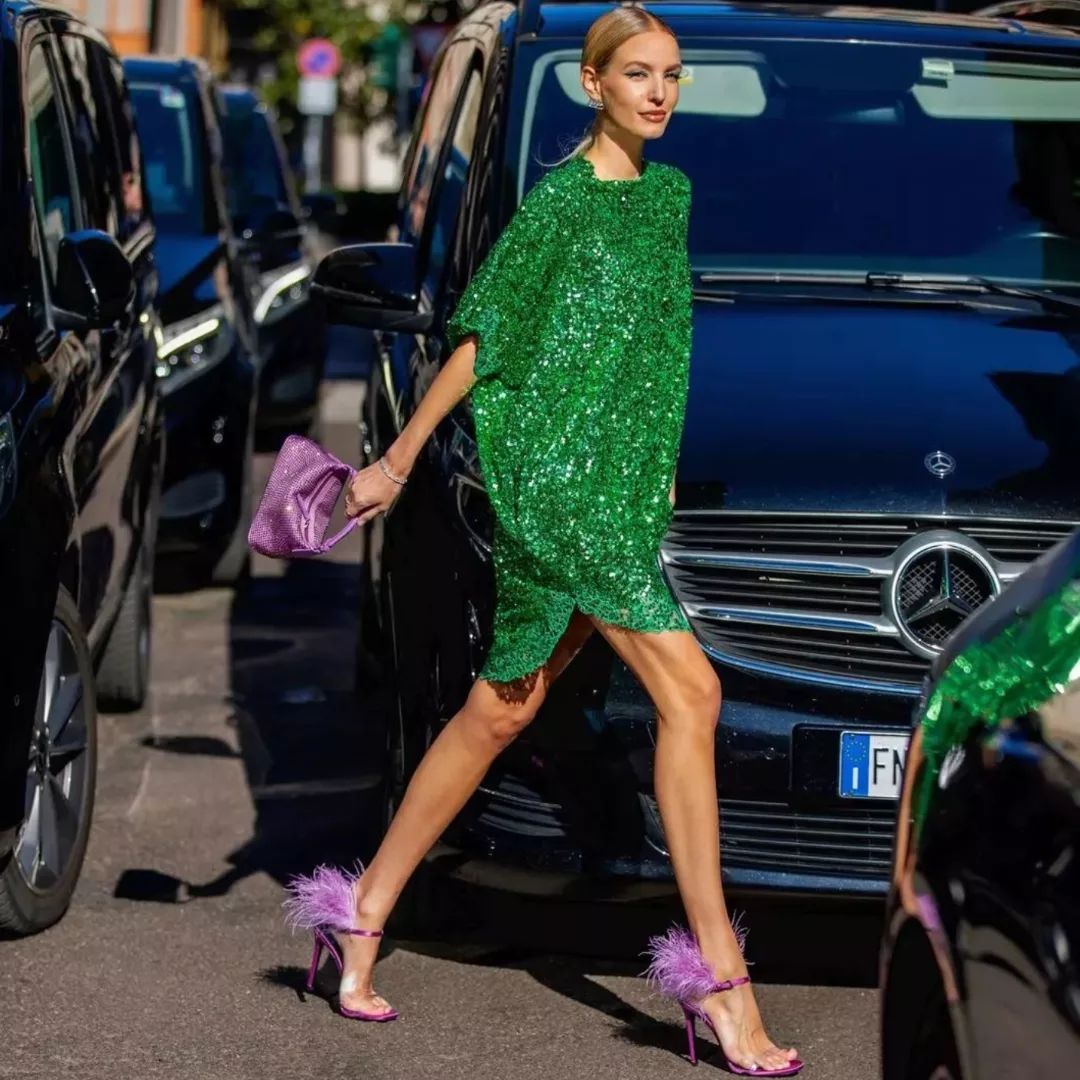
{"x": 704, "y": 18}
{"x": 164, "y": 69}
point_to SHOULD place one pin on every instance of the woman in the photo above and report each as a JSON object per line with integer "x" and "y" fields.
{"x": 576, "y": 332}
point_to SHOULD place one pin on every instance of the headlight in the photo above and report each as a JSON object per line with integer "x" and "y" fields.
{"x": 282, "y": 290}
{"x": 187, "y": 348}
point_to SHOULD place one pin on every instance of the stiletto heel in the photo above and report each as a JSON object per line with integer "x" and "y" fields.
{"x": 325, "y": 903}
{"x": 316, "y": 956}
{"x": 691, "y": 1034}
{"x": 679, "y": 971}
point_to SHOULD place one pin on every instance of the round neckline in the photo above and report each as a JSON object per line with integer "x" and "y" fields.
{"x": 616, "y": 179}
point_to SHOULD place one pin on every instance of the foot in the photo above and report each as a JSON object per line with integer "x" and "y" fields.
{"x": 358, "y": 956}
{"x": 735, "y": 1016}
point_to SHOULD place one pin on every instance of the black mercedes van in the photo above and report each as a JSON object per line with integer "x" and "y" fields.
{"x": 81, "y": 442}
{"x": 883, "y": 425}
{"x": 208, "y": 359}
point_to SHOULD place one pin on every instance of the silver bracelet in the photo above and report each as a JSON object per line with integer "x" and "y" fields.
{"x": 387, "y": 472}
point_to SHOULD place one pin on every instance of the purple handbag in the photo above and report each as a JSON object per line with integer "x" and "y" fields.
{"x": 300, "y": 496}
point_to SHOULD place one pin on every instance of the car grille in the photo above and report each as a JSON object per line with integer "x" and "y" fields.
{"x": 803, "y": 596}
{"x": 852, "y": 841}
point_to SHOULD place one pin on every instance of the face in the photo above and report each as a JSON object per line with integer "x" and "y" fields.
{"x": 640, "y": 85}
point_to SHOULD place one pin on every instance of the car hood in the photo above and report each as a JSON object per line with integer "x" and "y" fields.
{"x": 804, "y": 406}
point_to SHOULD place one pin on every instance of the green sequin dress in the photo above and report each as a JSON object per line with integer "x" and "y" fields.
{"x": 582, "y": 311}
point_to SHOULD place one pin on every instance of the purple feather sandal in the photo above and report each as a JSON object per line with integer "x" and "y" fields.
{"x": 679, "y": 970}
{"x": 325, "y": 903}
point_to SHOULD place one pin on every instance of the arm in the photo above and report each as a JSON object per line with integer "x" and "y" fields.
{"x": 484, "y": 332}
{"x": 371, "y": 489}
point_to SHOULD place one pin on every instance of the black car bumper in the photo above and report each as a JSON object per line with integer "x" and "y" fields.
{"x": 585, "y": 804}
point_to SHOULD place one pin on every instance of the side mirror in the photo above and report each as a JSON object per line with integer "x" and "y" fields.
{"x": 95, "y": 283}
{"x": 371, "y": 285}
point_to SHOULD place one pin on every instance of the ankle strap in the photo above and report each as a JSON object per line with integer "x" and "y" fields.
{"x": 366, "y": 933}
{"x": 729, "y": 984}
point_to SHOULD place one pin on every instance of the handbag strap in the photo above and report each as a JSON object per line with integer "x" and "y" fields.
{"x": 349, "y": 525}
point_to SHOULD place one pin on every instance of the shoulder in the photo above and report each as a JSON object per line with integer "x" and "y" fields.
{"x": 549, "y": 190}
{"x": 676, "y": 178}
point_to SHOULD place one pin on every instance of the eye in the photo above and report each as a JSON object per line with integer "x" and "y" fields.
{"x": 632, "y": 74}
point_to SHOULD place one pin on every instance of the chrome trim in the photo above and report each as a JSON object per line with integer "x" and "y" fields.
{"x": 785, "y": 617}
{"x": 800, "y": 675}
{"x": 517, "y": 800}
{"x": 806, "y": 564}
{"x": 816, "y": 515}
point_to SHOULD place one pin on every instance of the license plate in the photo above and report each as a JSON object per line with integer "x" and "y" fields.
{"x": 871, "y": 764}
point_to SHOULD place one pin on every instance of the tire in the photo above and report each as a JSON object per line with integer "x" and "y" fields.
{"x": 933, "y": 1052}
{"x": 123, "y": 677}
{"x": 39, "y": 879}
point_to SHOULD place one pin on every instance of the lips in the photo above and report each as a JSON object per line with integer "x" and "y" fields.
{"x": 656, "y": 117}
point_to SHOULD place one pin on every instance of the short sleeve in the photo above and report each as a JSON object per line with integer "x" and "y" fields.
{"x": 682, "y": 285}
{"x": 497, "y": 303}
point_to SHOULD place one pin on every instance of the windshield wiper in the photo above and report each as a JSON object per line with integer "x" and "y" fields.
{"x": 973, "y": 284}
{"x": 970, "y": 284}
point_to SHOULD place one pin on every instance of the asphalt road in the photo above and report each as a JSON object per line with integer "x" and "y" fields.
{"x": 252, "y": 761}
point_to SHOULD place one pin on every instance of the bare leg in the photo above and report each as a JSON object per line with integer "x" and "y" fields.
{"x": 447, "y": 775}
{"x": 686, "y": 692}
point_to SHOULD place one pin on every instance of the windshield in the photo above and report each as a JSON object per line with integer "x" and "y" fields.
{"x": 818, "y": 156}
{"x": 255, "y": 180}
{"x": 172, "y": 151}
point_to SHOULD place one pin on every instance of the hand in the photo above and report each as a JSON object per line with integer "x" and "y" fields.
{"x": 370, "y": 492}
{"x": 671, "y": 495}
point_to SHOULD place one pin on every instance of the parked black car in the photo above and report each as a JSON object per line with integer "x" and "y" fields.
{"x": 979, "y": 962}
{"x": 208, "y": 353}
{"x": 268, "y": 218}
{"x": 883, "y": 425}
{"x": 81, "y": 442}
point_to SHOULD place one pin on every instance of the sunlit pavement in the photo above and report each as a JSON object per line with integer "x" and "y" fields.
{"x": 253, "y": 759}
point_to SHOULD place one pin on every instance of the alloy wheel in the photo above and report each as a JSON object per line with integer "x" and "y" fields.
{"x": 58, "y": 769}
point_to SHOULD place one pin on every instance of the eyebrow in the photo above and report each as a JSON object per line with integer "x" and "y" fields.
{"x": 642, "y": 63}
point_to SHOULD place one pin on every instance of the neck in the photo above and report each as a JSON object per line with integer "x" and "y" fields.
{"x": 619, "y": 156}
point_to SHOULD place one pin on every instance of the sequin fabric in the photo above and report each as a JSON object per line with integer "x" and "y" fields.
{"x": 582, "y": 312}
{"x": 991, "y": 682}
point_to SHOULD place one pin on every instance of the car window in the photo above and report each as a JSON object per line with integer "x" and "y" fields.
{"x": 173, "y": 155}
{"x": 54, "y": 186}
{"x": 445, "y": 207}
{"x": 90, "y": 138}
{"x": 254, "y": 164}
{"x": 120, "y": 144}
{"x": 432, "y": 125}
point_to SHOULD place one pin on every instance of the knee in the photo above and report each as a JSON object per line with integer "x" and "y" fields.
{"x": 699, "y": 698}
{"x": 501, "y": 722}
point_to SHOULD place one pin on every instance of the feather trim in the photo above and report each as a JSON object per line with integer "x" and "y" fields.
{"x": 677, "y": 967}
{"x": 325, "y": 898}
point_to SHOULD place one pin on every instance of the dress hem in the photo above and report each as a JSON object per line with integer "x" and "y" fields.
{"x": 577, "y": 606}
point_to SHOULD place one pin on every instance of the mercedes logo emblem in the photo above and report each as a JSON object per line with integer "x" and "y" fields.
{"x": 939, "y": 463}
{"x": 935, "y": 589}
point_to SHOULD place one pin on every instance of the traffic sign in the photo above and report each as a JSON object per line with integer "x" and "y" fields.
{"x": 319, "y": 58}
{"x": 317, "y": 97}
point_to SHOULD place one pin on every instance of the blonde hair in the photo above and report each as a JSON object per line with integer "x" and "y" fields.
{"x": 602, "y": 38}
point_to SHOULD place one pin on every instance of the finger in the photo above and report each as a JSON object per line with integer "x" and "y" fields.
{"x": 367, "y": 515}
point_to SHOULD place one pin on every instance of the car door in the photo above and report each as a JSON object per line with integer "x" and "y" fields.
{"x": 119, "y": 384}
{"x": 57, "y": 212}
